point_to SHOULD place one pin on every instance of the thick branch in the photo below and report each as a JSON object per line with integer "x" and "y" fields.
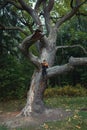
{"x": 47, "y": 10}
{"x": 57, "y": 70}
{"x": 50, "y": 5}
{"x": 2, "y": 27}
{"x": 69, "y": 15}
{"x": 32, "y": 12}
{"x": 73, "y": 46}
{"x": 27, "y": 43}
{"x": 77, "y": 61}
{"x": 38, "y": 3}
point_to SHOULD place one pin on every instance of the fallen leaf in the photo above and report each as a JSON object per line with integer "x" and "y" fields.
{"x": 45, "y": 126}
{"x": 77, "y": 126}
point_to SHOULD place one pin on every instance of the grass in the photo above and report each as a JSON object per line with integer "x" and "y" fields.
{"x": 77, "y": 122}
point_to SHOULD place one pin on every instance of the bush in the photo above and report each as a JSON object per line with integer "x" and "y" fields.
{"x": 68, "y": 90}
{"x": 15, "y": 75}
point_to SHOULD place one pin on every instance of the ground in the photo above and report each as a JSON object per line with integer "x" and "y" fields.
{"x": 75, "y": 108}
{"x": 11, "y": 120}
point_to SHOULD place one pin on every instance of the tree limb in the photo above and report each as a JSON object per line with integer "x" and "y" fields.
{"x": 46, "y": 15}
{"x": 2, "y": 27}
{"x": 38, "y": 3}
{"x": 72, "y": 46}
{"x": 27, "y": 43}
{"x": 31, "y": 11}
{"x": 58, "y": 70}
{"x": 77, "y": 61}
{"x": 69, "y": 15}
{"x": 50, "y": 5}
{"x": 24, "y": 21}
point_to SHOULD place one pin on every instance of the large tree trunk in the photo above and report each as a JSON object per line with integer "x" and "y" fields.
{"x": 35, "y": 102}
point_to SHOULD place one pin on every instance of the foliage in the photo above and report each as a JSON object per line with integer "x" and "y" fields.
{"x": 73, "y": 32}
{"x": 15, "y": 72}
{"x": 14, "y": 77}
{"x": 68, "y": 90}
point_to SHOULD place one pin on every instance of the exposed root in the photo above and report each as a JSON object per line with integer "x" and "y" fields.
{"x": 36, "y": 119}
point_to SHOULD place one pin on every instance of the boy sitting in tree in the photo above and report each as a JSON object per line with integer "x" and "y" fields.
{"x": 44, "y": 67}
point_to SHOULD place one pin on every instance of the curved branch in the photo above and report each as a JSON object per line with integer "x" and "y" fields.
{"x": 31, "y": 11}
{"x": 77, "y": 61}
{"x": 69, "y": 15}
{"x": 34, "y": 59}
{"x": 50, "y": 5}
{"x": 27, "y": 43}
{"x": 38, "y": 3}
{"x": 47, "y": 10}
{"x": 24, "y": 21}
{"x": 2, "y": 27}
{"x": 15, "y": 4}
{"x": 57, "y": 70}
{"x": 72, "y": 46}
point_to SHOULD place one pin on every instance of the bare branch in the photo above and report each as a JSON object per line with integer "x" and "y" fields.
{"x": 24, "y": 21}
{"x": 31, "y": 11}
{"x": 47, "y": 10}
{"x": 69, "y": 15}
{"x": 35, "y": 60}
{"x": 15, "y": 4}
{"x": 58, "y": 70}
{"x": 38, "y": 3}
{"x": 77, "y": 61}
{"x": 2, "y": 27}
{"x": 50, "y": 5}
{"x": 72, "y": 46}
{"x": 27, "y": 43}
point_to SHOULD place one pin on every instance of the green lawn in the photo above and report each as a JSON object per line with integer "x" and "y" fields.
{"x": 77, "y": 122}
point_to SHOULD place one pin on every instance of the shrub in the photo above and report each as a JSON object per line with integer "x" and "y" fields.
{"x": 68, "y": 90}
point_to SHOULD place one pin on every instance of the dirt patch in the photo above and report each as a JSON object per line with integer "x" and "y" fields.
{"x": 10, "y": 120}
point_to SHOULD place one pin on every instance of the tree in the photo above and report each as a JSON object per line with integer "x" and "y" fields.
{"x": 43, "y": 19}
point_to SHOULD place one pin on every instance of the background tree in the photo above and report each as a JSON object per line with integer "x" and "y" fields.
{"x": 41, "y": 15}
